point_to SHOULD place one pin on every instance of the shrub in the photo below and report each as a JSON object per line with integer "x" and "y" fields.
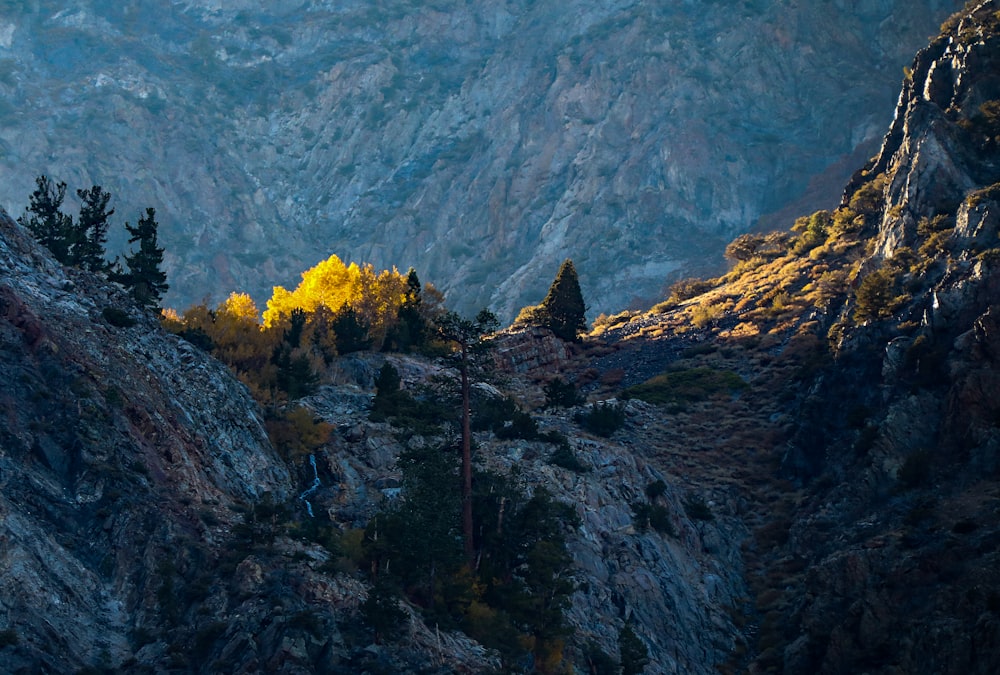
{"x": 382, "y": 613}
{"x": 504, "y": 418}
{"x": 561, "y": 394}
{"x": 118, "y": 318}
{"x": 655, "y": 516}
{"x": 704, "y": 314}
{"x": 813, "y": 231}
{"x": 876, "y": 297}
{"x": 655, "y": 489}
{"x": 603, "y": 418}
{"x": 563, "y": 455}
{"x": 297, "y": 433}
{"x": 697, "y": 509}
{"x": 685, "y": 289}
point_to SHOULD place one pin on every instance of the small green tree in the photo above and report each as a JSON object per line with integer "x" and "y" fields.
{"x": 145, "y": 280}
{"x": 412, "y": 329}
{"x": 561, "y": 394}
{"x": 875, "y": 296}
{"x": 381, "y": 611}
{"x": 91, "y": 231}
{"x": 563, "y": 309}
{"x": 632, "y": 650}
{"x": 43, "y": 218}
{"x": 351, "y": 330}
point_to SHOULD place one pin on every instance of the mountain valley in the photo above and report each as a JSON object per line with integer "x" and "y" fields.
{"x": 788, "y": 468}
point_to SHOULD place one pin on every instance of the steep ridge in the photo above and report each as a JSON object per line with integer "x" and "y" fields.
{"x": 866, "y": 443}
{"x": 122, "y": 450}
{"x": 481, "y": 143}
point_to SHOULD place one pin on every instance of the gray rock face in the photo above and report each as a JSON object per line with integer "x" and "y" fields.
{"x": 117, "y": 444}
{"x": 482, "y": 143}
{"x": 678, "y": 591}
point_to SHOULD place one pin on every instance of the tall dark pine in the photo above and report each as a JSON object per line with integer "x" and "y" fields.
{"x": 563, "y": 308}
{"x": 145, "y": 279}
{"x": 411, "y": 329}
{"x": 91, "y": 231}
{"x": 52, "y": 228}
{"x": 467, "y": 337}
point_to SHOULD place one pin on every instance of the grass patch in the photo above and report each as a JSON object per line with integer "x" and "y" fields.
{"x": 682, "y": 387}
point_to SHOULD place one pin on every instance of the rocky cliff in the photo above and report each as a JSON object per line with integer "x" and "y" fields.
{"x": 482, "y": 143}
{"x": 149, "y": 526}
{"x": 868, "y": 452}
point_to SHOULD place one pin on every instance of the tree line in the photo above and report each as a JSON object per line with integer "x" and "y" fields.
{"x": 81, "y": 242}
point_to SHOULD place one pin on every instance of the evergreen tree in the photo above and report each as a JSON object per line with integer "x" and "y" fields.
{"x": 352, "y": 330}
{"x": 91, "y": 232}
{"x": 633, "y": 652}
{"x": 146, "y": 281}
{"x": 563, "y": 310}
{"x": 467, "y": 337}
{"x": 52, "y": 228}
{"x": 411, "y": 329}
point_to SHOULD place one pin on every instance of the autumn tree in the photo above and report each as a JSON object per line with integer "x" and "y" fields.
{"x": 44, "y": 219}
{"x": 371, "y": 298}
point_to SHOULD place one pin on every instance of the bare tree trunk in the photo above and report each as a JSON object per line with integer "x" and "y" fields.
{"x": 467, "y": 525}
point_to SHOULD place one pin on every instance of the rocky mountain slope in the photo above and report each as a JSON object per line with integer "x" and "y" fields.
{"x": 148, "y": 526}
{"x": 481, "y": 143}
{"x": 869, "y": 445}
{"x": 818, "y": 427}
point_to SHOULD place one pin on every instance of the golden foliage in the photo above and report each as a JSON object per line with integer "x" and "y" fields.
{"x": 296, "y": 433}
{"x": 374, "y": 296}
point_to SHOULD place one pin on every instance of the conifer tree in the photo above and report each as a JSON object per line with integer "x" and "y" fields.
{"x": 146, "y": 281}
{"x": 411, "y": 327}
{"x": 563, "y": 310}
{"x": 467, "y": 337}
{"x": 352, "y": 331}
{"x": 633, "y": 652}
{"x": 52, "y": 228}
{"x": 91, "y": 232}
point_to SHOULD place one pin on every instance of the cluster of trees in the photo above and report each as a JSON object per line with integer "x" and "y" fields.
{"x": 81, "y": 242}
{"x": 336, "y": 309}
{"x": 513, "y": 594}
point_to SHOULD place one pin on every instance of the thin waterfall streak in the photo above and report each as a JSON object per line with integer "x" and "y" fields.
{"x": 316, "y": 484}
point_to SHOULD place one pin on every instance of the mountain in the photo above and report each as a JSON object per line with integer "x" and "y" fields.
{"x": 149, "y": 524}
{"x": 481, "y": 143}
{"x": 792, "y": 467}
{"x": 869, "y": 445}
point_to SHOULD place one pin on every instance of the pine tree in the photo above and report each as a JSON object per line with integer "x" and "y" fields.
{"x": 52, "y": 228}
{"x": 352, "y": 331}
{"x": 146, "y": 281}
{"x": 91, "y": 231}
{"x": 467, "y": 337}
{"x": 411, "y": 327}
{"x": 563, "y": 310}
{"x": 633, "y": 652}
